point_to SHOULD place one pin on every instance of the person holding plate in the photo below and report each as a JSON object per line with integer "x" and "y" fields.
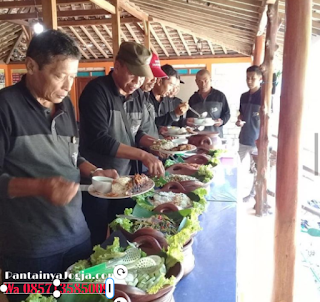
{"x": 42, "y": 227}
{"x": 210, "y": 100}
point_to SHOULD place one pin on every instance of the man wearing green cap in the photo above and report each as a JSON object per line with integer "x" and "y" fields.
{"x": 113, "y": 121}
{"x": 105, "y": 105}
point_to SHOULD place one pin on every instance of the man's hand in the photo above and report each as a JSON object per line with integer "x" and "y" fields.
{"x": 153, "y": 164}
{"x": 58, "y": 190}
{"x": 163, "y": 130}
{"x": 107, "y": 173}
{"x": 190, "y": 121}
{"x": 218, "y": 122}
{"x": 240, "y": 123}
{"x": 181, "y": 109}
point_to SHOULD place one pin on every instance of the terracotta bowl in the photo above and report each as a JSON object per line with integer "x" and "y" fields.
{"x": 206, "y": 138}
{"x": 145, "y": 232}
{"x": 120, "y": 294}
{"x": 182, "y": 186}
{"x": 163, "y": 295}
{"x": 197, "y": 159}
{"x": 182, "y": 169}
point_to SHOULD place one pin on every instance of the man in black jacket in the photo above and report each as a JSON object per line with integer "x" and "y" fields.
{"x": 166, "y": 110}
{"x": 208, "y": 99}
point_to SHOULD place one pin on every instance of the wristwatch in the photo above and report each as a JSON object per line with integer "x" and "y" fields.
{"x": 93, "y": 171}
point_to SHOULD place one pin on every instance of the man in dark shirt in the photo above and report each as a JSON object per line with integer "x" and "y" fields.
{"x": 42, "y": 227}
{"x": 146, "y": 87}
{"x": 176, "y": 101}
{"x": 109, "y": 105}
{"x": 166, "y": 110}
{"x": 113, "y": 123}
{"x": 249, "y": 118}
{"x": 208, "y": 99}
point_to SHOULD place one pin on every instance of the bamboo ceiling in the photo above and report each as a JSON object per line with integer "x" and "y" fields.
{"x": 179, "y": 28}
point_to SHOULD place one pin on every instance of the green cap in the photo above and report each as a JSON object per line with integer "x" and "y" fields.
{"x": 136, "y": 57}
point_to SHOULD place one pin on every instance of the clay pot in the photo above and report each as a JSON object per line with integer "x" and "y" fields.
{"x": 167, "y": 207}
{"x": 118, "y": 293}
{"x": 163, "y": 295}
{"x": 182, "y": 169}
{"x": 200, "y": 159}
{"x": 206, "y": 138}
{"x": 145, "y": 232}
{"x": 188, "y": 262}
{"x": 185, "y": 187}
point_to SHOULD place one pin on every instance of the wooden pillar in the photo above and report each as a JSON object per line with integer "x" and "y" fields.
{"x": 116, "y": 40}
{"x": 295, "y": 58}
{"x": 6, "y": 75}
{"x": 49, "y": 12}
{"x": 259, "y": 50}
{"x": 147, "y": 34}
{"x": 263, "y": 144}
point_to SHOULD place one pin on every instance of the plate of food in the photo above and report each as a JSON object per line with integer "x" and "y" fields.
{"x": 204, "y": 121}
{"x": 170, "y": 147}
{"x": 179, "y": 132}
{"x": 125, "y": 187}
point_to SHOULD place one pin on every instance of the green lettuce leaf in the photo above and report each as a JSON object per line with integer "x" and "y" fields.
{"x": 216, "y": 153}
{"x": 79, "y": 266}
{"x": 125, "y": 223}
{"x": 161, "y": 282}
{"x": 159, "y": 181}
{"x": 142, "y": 200}
{"x": 204, "y": 174}
{"x": 112, "y": 251}
{"x": 39, "y": 298}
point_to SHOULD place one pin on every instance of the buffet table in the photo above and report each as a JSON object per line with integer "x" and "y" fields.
{"x": 214, "y": 276}
{"x": 214, "y": 248}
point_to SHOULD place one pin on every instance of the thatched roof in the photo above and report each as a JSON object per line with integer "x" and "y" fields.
{"x": 179, "y": 28}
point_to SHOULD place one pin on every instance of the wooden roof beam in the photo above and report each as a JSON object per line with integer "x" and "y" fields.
{"x": 26, "y": 33}
{"x": 199, "y": 33}
{"x": 94, "y": 42}
{"x": 158, "y": 40}
{"x": 132, "y": 33}
{"x": 224, "y": 49}
{"x": 105, "y": 5}
{"x": 184, "y": 42}
{"x": 128, "y": 7}
{"x": 211, "y": 47}
{"x": 141, "y": 29}
{"x": 7, "y": 27}
{"x": 30, "y": 3}
{"x": 116, "y": 30}
{"x": 16, "y": 43}
{"x": 170, "y": 40}
{"x": 60, "y": 14}
{"x": 82, "y": 41}
{"x": 98, "y": 33}
{"x": 192, "y": 11}
{"x": 94, "y": 21}
{"x": 147, "y": 37}
{"x": 49, "y": 12}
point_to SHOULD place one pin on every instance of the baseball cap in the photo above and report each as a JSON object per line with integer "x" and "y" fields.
{"x": 156, "y": 67}
{"x": 136, "y": 57}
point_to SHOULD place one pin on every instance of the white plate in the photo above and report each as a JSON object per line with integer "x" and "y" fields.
{"x": 177, "y": 135}
{"x": 94, "y": 193}
{"x": 204, "y": 122}
{"x": 177, "y": 152}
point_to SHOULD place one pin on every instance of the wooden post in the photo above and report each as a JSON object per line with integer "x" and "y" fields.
{"x": 116, "y": 41}
{"x": 146, "y": 34}
{"x": 49, "y": 12}
{"x": 263, "y": 144}
{"x": 259, "y": 50}
{"x": 295, "y": 58}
